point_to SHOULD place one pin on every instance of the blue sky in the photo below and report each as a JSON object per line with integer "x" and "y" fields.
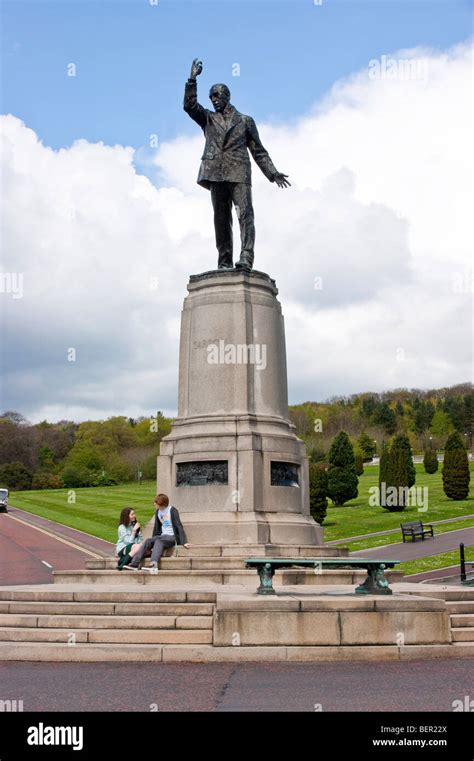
{"x": 371, "y": 169}
{"x": 132, "y": 57}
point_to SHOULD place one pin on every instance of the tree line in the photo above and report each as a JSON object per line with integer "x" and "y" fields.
{"x": 427, "y": 418}
{"x": 120, "y": 449}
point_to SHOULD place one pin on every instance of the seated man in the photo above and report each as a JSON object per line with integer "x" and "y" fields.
{"x": 167, "y": 531}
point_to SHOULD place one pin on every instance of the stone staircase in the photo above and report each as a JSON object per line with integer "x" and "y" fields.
{"x": 50, "y": 625}
{"x": 126, "y": 623}
{"x": 460, "y": 605}
{"x": 461, "y": 614}
{"x": 204, "y": 565}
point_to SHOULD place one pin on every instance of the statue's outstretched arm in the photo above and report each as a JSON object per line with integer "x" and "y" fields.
{"x": 262, "y": 158}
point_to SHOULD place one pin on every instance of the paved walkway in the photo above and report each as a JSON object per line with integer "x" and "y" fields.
{"x": 421, "y": 548}
{"x": 396, "y": 530}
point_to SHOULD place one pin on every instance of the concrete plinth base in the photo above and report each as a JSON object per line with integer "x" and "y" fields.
{"x": 233, "y": 464}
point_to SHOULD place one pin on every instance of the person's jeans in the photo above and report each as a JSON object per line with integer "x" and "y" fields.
{"x": 155, "y": 545}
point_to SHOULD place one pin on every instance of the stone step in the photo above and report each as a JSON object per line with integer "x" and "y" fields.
{"x": 259, "y": 550}
{"x": 48, "y": 593}
{"x": 200, "y": 578}
{"x": 113, "y": 608}
{"x": 463, "y": 634}
{"x": 106, "y": 622}
{"x": 112, "y": 636}
{"x": 460, "y": 606}
{"x": 463, "y": 620}
{"x": 176, "y": 564}
{"x": 450, "y": 595}
{"x": 201, "y": 653}
{"x": 150, "y": 637}
{"x": 225, "y": 556}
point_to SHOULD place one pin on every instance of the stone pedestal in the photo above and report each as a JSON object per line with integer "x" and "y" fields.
{"x": 232, "y": 464}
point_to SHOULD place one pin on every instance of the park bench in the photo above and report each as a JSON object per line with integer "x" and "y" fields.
{"x": 374, "y": 584}
{"x": 416, "y": 528}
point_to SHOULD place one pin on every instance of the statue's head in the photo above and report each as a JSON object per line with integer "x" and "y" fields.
{"x": 220, "y": 96}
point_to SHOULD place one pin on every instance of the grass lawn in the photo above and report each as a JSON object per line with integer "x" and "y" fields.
{"x": 437, "y": 561}
{"x": 358, "y": 517}
{"x": 96, "y": 511}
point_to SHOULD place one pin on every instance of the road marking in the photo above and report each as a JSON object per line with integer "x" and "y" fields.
{"x": 53, "y": 536}
{"x": 91, "y": 536}
{"x": 45, "y": 563}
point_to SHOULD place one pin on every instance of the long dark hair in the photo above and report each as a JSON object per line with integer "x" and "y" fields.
{"x": 125, "y": 516}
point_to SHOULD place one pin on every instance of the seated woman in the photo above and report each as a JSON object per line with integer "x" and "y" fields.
{"x": 129, "y": 537}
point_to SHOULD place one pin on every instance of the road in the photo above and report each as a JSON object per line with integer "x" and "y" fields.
{"x": 32, "y": 547}
{"x": 429, "y": 685}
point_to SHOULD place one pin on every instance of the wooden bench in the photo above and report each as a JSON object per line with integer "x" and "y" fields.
{"x": 416, "y": 528}
{"x": 374, "y": 584}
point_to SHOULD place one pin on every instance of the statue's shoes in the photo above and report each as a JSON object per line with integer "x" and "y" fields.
{"x": 243, "y": 266}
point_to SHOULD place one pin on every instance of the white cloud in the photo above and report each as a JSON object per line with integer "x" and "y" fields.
{"x": 378, "y": 209}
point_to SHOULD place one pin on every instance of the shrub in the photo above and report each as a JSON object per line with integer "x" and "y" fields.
{"x": 367, "y": 446}
{"x": 359, "y": 462}
{"x": 456, "y": 474}
{"x": 15, "y": 475}
{"x": 74, "y": 477}
{"x": 401, "y": 473}
{"x": 318, "y": 490}
{"x": 430, "y": 461}
{"x": 44, "y": 480}
{"x": 342, "y": 477}
{"x": 384, "y": 472}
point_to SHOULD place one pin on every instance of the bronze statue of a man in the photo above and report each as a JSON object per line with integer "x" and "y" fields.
{"x": 225, "y": 166}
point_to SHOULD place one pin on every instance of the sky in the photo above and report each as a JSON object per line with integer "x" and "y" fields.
{"x": 366, "y": 105}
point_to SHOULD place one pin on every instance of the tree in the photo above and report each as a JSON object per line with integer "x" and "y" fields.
{"x": 456, "y": 474}
{"x": 358, "y": 461}
{"x": 74, "y": 477}
{"x": 430, "y": 461}
{"x": 403, "y": 442}
{"x": 384, "y": 469}
{"x": 342, "y": 477}
{"x": 399, "y": 409}
{"x": 369, "y": 405}
{"x": 398, "y": 476}
{"x": 15, "y": 475}
{"x": 385, "y": 416}
{"x": 46, "y": 457}
{"x": 367, "y": 446}
{"x": 401, "y": 474}
{"x": 14, "y": 417}
{"x": 318, "y": 491}
{"x": 44, "y": 480}
{"x": 441, "y": 424}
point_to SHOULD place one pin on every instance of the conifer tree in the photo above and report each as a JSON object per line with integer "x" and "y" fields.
{"x": 342, "y": 477}
{"x": 456, "y": 475}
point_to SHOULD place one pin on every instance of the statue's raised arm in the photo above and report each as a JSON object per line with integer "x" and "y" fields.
{"x": 196, "y": 68}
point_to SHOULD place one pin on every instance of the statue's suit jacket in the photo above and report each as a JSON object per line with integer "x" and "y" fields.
{"x": 225, "y": 156}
